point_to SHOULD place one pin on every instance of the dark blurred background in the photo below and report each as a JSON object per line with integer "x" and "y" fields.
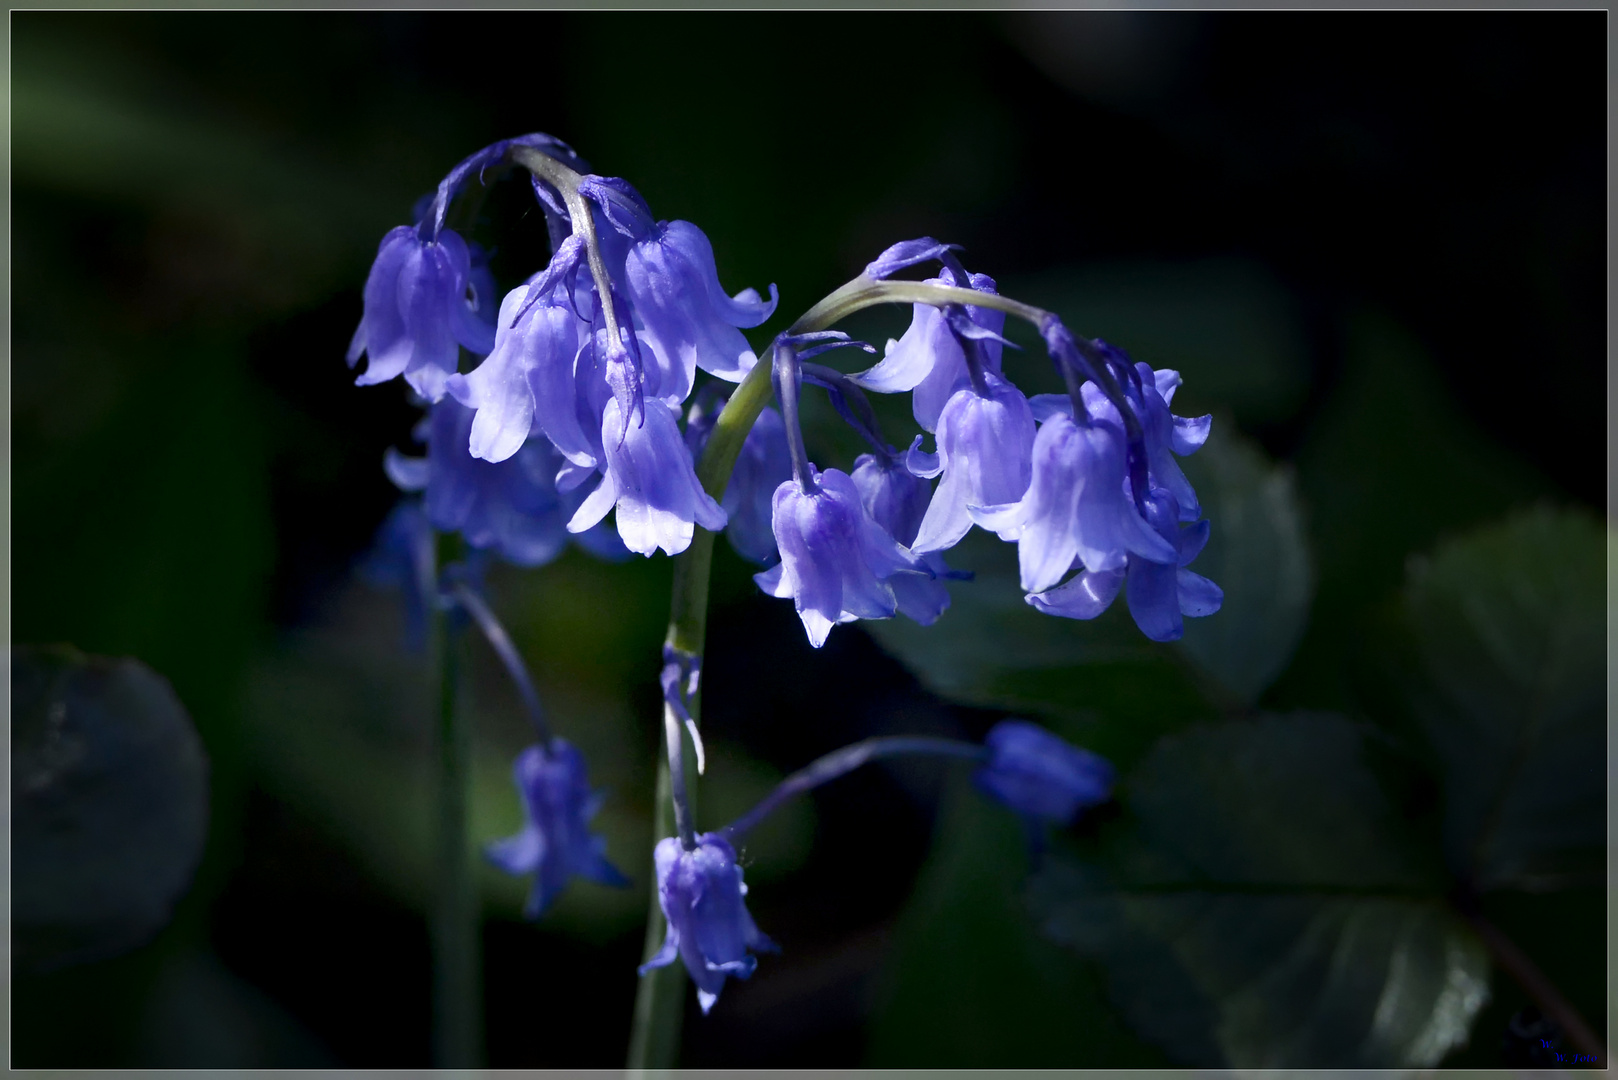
{"x": 1374, "y": 243}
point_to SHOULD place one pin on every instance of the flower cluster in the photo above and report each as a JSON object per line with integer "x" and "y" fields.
{"x": 583, "y": 400}
{"x": 1084, "y": 482}
{"x": 582, "y": 377}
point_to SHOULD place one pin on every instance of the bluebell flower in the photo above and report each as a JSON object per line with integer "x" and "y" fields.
{"x": 512, "y": 508}
{"x": 763, "y": 465}
{"x": 528, "y": 379}
{"x": 929, "y": 359}
{"x": 897, "y": 499}
{"x": 1040, "y": 776}
{"x": 985, "y": 443}
{"x": 682, "y": 315}
{"x": 556, "y": 845}
{"x": 1077, "y": 506}
{"x": 835, "y": 561}
{"x": 702, "y": 896}
{"x": 650, "y": 478}
{"x": 1159, "y": 592}
{"x": 418, "y": 311}
{"x": 1165, "y": 434}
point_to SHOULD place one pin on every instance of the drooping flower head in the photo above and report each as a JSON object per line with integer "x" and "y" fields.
{"x": 1040, "y": 776}
{"x": 528, "y": 379}
{"x": 651, "y": 480}
{"x": 703, "y": 898}
{"x": 682, "y": 314}
{"x": 627, "y": 318}
{"x": 419, "y": 308}
{"x": 1077, "y": 507}
{"x": 556, "y": 844}
{"x": 429, "y": 292}
{"x": 897, "y": 500}
{"x": 835, "y": 561}
{"x": 1159, "y": 592}
{"x": 985, "y": 442}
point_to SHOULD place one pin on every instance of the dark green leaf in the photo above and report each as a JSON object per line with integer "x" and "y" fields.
{"x": 1267, "y": 908}
{"x": 1257, "y": 553}
{"x": 969, "y": 981}
{"x": 992, "y": 650}
{"x": 109, "y": 805}
{"x": 1510, "y": 625}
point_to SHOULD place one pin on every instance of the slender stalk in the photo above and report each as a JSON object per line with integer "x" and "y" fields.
{"x": 1544, "y": 992}
{"x": 654, "y": 1040}
{"x": 845, "y": 760}
{"x": 506, "y": 650}
{"x": 566, "y": 181}
{"x": 457, "y": 976}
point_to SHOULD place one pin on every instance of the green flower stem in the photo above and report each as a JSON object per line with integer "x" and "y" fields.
{"x": 654, "y": 1039}
{"x": 566, "y": 181}
{"x": 457, "y": 975}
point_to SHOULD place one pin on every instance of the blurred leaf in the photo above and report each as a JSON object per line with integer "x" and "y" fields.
{"x": 1267, "y": 908}
{"x": 109, "y": 805}
{"x": 1510, "y": 626}
{"x": 1227, "y": 325}
{"x": 1389, "y": 465}
{"x": 970, "y": 983}
{"x": 1257, "y": 553}
{"x": 992, "y": 650}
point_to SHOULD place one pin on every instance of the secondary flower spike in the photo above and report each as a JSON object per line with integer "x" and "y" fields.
{"x": 702, "y": 896}
{"x": 1040, "y": 776}
{"x": 556, "y": 844}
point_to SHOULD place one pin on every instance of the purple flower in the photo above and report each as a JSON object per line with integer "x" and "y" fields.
{"x": 417, "y": 310}
{"x": 512, "y": 507}
{"x": 556, "y": 844}
{"x": 651, "y": 479}
{"x": 528, "y": 379}
{"x": 1165, "y": 435}
{"x": 1041, "y": 776}
{"x": 835, "y": 561}
{"x": 896, "y": 499}
{"x": 929, "y": 358}
{"x": 666, "y": 269}
{"x": 683, "y": 316}
{"x": 1159, "y": 592}
{"x": 985, "y": 445}
{"x": 701, "y": 893}
{"x": 1077, "y": 506}
{"x": 763, "y": 465}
